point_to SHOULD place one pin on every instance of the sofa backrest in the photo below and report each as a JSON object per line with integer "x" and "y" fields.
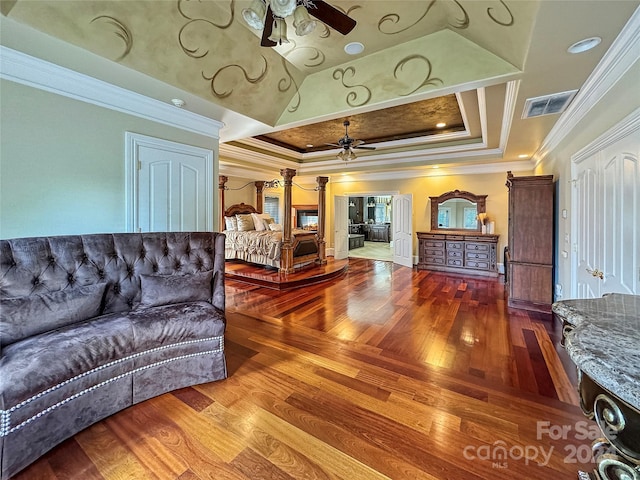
{"x": 40, "y": 265}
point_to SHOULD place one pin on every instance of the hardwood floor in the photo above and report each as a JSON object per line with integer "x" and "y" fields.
{"x": 386, "y": 372}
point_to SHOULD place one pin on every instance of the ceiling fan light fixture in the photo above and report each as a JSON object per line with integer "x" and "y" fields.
{"x": 254, "y": 15}
{"x": 279, "y": 32}
{"x": 346, "y": 155}
{"x": 302, "y": 21}
{"x": 282, "y": 8}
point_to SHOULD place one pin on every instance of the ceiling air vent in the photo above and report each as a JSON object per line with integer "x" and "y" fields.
{"x": 556, "y": 103}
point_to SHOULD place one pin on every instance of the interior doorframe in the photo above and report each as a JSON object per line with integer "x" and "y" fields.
{"x": 618, "y": 132}
{"x": 133, "y": 142}
{"x": 371, "y": 194}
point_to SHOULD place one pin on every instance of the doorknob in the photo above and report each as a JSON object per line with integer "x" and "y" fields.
{"x": 596, "y": 273}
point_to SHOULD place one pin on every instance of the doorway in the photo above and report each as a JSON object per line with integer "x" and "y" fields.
{"x": 369, "y": 225}
{"x": 374, "y": 225}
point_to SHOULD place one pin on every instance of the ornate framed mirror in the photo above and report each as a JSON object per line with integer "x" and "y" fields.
{"x": 457, "y": 210}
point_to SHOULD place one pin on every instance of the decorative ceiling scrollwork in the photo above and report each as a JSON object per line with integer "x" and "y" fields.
{"x": 427, "y": 80}
{"x": 121, "y": 31}
{"x": 193, "y": 22}
{"x": 509, "y": 22}
{"x": 394, "y": 18}
{"x": 352, "y": 96}
{"x": 251, "y": 79}
{"x": 315, "y": 59}
{"x": 286, "y": 83}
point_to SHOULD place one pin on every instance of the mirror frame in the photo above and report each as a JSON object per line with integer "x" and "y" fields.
{"x": 479, "y": 200}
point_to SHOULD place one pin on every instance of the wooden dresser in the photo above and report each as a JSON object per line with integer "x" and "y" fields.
{"x": 470, "y": 253}
{"x": 530, "y": 257}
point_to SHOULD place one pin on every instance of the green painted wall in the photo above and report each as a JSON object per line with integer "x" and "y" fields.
{"x": 62, "y": 163}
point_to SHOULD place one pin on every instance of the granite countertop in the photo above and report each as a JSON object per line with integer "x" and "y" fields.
{"x": 605, "y": 341}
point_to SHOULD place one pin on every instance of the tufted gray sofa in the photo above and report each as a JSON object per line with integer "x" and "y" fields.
{"x": 91, "y": 324}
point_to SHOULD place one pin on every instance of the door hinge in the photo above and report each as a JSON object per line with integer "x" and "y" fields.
{"x": 139, "y": 165}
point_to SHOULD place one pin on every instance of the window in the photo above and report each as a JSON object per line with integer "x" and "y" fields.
{"x": 444, "y": 217}
{"x": 272, "y": 207}
{"x": 470, "y": 220}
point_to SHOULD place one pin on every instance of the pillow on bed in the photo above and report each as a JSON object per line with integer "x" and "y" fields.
{"x": 260, "y": 221}
{"x": 245, "y": 222}
{"x": 231, "y": 223}
{"x": 275, "y": 227}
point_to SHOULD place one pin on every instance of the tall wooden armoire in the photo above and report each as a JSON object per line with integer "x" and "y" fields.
{"x": 530, "y": 248}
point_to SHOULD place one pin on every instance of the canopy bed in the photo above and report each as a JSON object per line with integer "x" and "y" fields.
{"x": 252, "y": 236}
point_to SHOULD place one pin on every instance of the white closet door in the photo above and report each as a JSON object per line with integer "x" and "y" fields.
{"x": 588, "y": 228}
{"x": 171, "y": 186}
{"x": 607, "y": 217}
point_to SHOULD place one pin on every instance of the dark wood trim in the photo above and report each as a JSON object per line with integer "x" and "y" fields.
{"x": 479, "y": 200}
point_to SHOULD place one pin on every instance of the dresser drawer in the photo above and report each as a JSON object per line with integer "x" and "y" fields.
{"x": 454, "y": 262}
{"x": 454, "y": 253}
{"x": 477, "y": 255}
{"x": 478, "y": 265}
{"x": 455, "y": 245}
{"x": 432, "y": 243}
{"x": 477, "y": 247}
{"x": 434, "y": 260}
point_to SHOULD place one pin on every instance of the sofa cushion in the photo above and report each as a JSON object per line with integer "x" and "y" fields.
{"x": 22, "y": 317}
{"x": 112, "y": 345}
{"x": 169, "y": 289}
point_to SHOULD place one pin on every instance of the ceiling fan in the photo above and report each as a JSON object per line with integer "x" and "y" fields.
{"x": 269, "y": 15}
{"x": 348, "y": 145}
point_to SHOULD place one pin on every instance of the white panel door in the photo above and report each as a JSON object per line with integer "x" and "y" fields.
{"x": 607, "y": 213}
{"x": 588, "y": 228}
{"x": 169, "y": 186}
{"x": 621, "y": 232}
{"x": 403, "y": 230}
{"x": 341, "y": 227}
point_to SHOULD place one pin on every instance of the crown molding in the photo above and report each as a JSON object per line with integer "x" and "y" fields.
{"x": 27, "y": 70}
{"x": 476, "y": 169}
{"x": 622, "y": 54}
{"x": 624, "y": 128}
{"x": 510, "y": 97}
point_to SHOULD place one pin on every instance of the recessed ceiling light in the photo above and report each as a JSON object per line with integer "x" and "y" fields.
{"x": 178, "y": 102}
{"x": 584, "y": 45}
{"x": 354, "y": 48}
{"x": 309, "y": 145}
{"x": 441, "y": 125}
{"x": 436, "y": 166}
{"x": 523, "y": 155}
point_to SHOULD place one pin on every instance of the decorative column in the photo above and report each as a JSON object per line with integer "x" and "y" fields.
{"x": 259, "y": 188}
{"x": 322, "y": 210}
{"x": 286, "y": 257}
{"x": 222, "y": 180}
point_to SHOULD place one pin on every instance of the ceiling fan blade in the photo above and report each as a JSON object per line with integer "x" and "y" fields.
{"x": 332, "y": 17}
{"x": 333, "y": 145}
{"x": 366, "y": 148}
{"x": 268, "y": 28}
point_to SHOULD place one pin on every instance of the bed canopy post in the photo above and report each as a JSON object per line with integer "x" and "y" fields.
{"x": 286, "y": 257}
{"x": 222, "y": 181}
{"x": 322, "y": 209}
{"x": 259, "y": 188}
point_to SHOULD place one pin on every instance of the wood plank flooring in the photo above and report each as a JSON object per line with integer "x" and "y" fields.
{"x": 384, "y": 373}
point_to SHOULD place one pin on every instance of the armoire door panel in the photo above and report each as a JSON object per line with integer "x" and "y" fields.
{"x": 531, "y": 283}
